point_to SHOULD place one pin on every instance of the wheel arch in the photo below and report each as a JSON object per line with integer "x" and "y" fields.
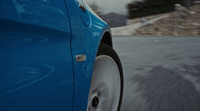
{"x": 107, "y": 39}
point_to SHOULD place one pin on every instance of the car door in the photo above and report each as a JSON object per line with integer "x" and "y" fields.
{"x": 36, "y": 70}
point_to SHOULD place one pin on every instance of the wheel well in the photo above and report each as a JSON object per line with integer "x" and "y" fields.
{"x": 107, "y": 39}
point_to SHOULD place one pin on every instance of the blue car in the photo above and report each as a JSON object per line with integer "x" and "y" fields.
{"x": 57, "y": 55}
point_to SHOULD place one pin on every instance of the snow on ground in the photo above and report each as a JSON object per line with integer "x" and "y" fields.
{"x": 130, "y": 29}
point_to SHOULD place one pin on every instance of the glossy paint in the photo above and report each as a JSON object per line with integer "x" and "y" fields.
{"x": 36, "y": 69}
{"x": 84, "y": 40}
{"x": 39, "y": 40}
{"x": 84, "y": 14}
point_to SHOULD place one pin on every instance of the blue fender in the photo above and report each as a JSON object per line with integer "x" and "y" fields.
{"x": 85, "y": 39}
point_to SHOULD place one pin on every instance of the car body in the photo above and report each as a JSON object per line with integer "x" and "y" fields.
{"x": 39, "y": 43}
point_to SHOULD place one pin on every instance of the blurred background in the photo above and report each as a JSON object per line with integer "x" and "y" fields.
{"x": 150, "y": 17}
{"x": 160, "y": 73}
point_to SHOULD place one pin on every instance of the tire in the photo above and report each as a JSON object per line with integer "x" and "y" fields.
{"x": 107, "y": 82}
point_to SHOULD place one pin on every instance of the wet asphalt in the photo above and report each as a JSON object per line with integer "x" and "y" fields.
{"x": 160, "y": 73}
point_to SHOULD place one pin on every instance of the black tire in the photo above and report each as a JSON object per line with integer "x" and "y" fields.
{"x": 105, "y": 49}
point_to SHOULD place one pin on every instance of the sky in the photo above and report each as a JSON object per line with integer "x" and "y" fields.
{"x": 117, "y": 6}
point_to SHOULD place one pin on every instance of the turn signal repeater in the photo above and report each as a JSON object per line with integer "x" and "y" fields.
{"x": 80, "y": 58}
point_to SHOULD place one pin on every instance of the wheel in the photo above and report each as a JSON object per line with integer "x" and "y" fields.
{"x": 107, "y": 82}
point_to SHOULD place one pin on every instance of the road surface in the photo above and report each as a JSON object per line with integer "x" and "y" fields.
{"x": 161, "y": 73}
